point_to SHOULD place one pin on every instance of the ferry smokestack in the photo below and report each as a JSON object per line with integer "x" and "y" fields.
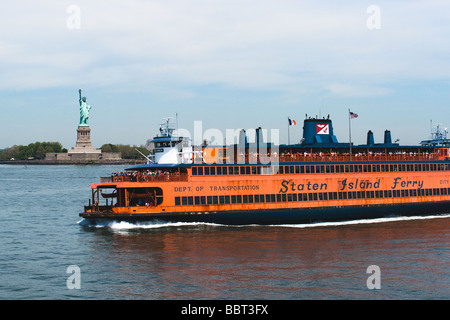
{"x": 259, "y": 136}
{"x": 242, "y": 138}
{"x": 387, "y": 137}
{"x": 370, "y": 140}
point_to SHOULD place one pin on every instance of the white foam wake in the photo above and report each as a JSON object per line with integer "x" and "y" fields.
{"x": 125, "y": 226}
{"x": 362, "y": 221}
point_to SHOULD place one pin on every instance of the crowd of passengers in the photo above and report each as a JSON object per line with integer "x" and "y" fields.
{"x": 135, "y": 175}
{"x": 357, "y": 154}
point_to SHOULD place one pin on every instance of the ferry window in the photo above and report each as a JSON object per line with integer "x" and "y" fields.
{"x": 305, "y": 197}
{"x": 289, "y": 197}
{"x": 297, "y": 169}
{"x": 250, "y": 198}
{"x": 283, "y": 197}
{"x": 307, "y": 169}
{"x": 215, "y": 200}
{"x": 347, "y": 168}
{"x": 242, "y": 170}
{"x": 212, "y": 171}
{"x": 258, "y": 170}
{"x": 320, "y": 196}
{"x": 177, "y": 201}
{"x": 197, "y": 200}
{"x": 184, "y": 201}
{"x": 327, "y": 169}
{"x": 221, "y": 199}
{"x": 353, "y": 194}
{"x": 203, "y": 200}
{"x": 210, "y": 199}
{"x": 236, "y": 170}
{"x": 190, "y": 201}
{"x": 272, "y": 198}
{"x": 194, "y": 171}
{"x": 322, "y": 169}
{"x": 268, "y": 198}
{"x": 219, "y": 171}
{"x": 294, "y": 197}
{"x": 247, "y": 170}
{"x": 358, "y": 194}
{"x": 266, "y": 170}
{"x": 239, "y": 199}
{"x": 427, "y": 167}
{"x": 278, "y": 197}
{"x": 312, "y": 169}
{"x": 227, "y": 199}
{"x": 233, "y": 199}
{"x": 302, "y": 169}
{"x": 443, "y": 191}
{"x": 281, "y": 169}
{"x": 245, "y": 198}
{"x": 207, "y": 171}
{"x": 291, "y": 169}
{"x": 200, "y": 171}
{"x": 230, "y": 170}
{"x": 310, "y": 196}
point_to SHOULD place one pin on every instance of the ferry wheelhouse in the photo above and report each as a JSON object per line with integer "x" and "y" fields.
{"x": 318, "y": 179}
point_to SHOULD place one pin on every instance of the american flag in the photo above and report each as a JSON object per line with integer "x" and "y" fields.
{"x": 353, "y": 115}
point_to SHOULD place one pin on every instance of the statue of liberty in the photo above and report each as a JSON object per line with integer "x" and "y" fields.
{"x": 84, "y": 111}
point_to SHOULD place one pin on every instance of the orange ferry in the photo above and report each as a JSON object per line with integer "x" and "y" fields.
{"x": 319, "y": 179}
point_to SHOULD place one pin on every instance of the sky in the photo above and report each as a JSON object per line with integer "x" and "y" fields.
{"x": 230, "y": 64}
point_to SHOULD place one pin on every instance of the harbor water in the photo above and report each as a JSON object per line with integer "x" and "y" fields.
{"x": 48, "y": 252}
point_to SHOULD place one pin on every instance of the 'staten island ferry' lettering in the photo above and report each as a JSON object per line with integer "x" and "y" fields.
{"x": 316, "y": 180}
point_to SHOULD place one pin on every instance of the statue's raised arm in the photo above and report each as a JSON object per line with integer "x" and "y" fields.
{"x": 84, "y": 111}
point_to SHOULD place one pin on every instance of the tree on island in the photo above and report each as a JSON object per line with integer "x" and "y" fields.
{"x": 36, "y": 150}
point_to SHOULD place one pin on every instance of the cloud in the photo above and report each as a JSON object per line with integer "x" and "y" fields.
{"x": 239, "y": 44}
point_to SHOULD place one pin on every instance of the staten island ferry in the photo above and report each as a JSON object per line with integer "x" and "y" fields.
{"x": 316, "y": 180}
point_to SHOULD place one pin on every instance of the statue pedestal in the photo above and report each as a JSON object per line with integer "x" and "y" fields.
{"x": 84, "y": 149}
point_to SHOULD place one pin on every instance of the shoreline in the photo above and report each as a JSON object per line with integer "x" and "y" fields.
{"x": 71, "y": 162}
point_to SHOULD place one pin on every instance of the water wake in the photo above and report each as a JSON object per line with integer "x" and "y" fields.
{"x": 362, "y": 221}
{"x": 127, "y": 226}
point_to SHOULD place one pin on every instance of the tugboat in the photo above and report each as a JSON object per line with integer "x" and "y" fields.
{"x": 319, "y": 179}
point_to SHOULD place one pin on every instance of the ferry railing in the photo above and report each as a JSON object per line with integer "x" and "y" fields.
{"x": 345, "y": 158}
{"x": 145, "y": 178}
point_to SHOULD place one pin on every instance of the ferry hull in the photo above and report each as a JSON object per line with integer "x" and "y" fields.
{"x": 279, "y": 216}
